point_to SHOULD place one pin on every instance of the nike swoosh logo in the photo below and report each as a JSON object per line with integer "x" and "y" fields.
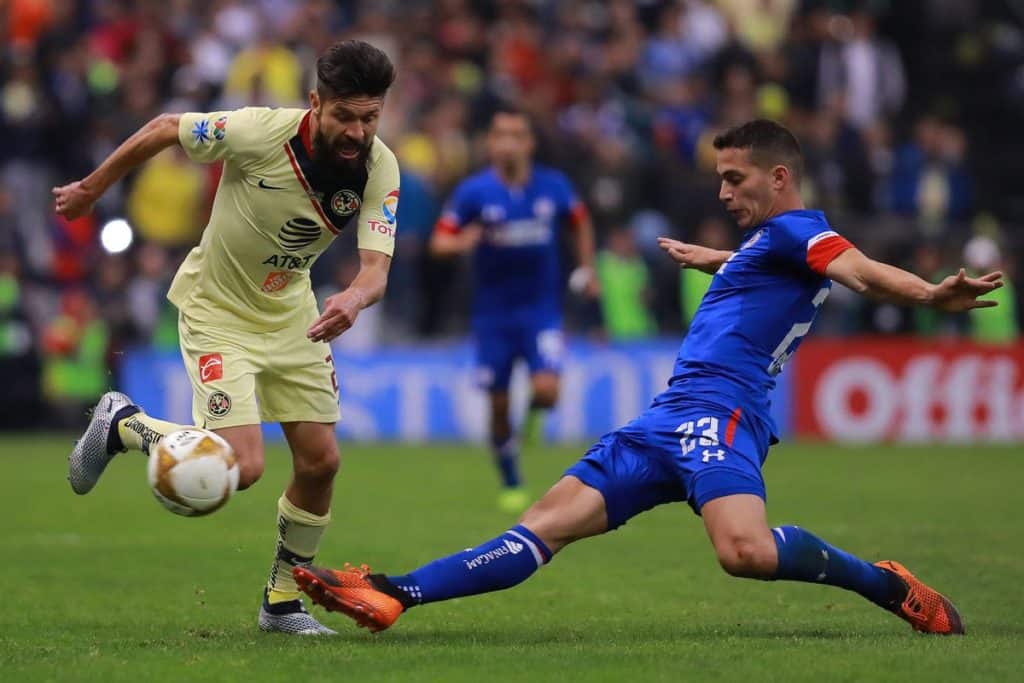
{"x": 263, "y": 185}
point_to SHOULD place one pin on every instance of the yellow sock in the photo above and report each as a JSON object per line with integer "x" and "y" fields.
{"x": 298, "y": 538}
{"x": 140, "y": 431}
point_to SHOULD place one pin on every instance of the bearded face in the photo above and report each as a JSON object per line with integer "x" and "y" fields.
{"x": 346, "y": 127}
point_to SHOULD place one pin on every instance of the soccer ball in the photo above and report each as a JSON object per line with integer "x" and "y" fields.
{"x": 192, "y": 472}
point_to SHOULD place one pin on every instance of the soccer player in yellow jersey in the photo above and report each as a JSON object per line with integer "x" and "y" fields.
{"x": 254, "y": 344}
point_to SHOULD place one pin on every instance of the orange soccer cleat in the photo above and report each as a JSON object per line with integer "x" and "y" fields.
{"x": 351, "y": 591}
{"x": 924, "y": 608}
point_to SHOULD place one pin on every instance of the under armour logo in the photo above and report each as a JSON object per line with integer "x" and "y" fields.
{"x": 719, "y": 454}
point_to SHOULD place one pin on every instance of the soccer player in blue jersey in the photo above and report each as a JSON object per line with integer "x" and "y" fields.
{"x": 510, "y": 217}
{"x": 705, "y": 438}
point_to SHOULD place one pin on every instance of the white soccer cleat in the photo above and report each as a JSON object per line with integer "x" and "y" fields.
{"x": 290, "y": 617}
{"x": 92, "y": 451}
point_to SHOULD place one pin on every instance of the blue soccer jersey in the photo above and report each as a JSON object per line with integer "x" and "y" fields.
{"x": 516, "y": 266}
{"x": 760, "y": 304}
{"x": 707, "y": 435}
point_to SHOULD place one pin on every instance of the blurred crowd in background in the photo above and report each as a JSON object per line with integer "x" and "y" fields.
{"x": 909, "y": 113}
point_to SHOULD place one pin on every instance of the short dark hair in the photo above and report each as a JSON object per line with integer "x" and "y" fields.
{"x": 352, "y": 68}
{"x": 506, "y": 108}
{"x": 770, "y": 143}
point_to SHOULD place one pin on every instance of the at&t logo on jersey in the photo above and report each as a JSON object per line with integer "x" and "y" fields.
{"x": 211, "y": 367}
{"x": 390, "y": 207}
{"x": 345, "y": 202}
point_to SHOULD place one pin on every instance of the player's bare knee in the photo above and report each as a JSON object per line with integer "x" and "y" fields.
{"x": 249, "y": 471}
{"x": 545, "y": 392}
{"x": 547, "y": 398}
{"x": 320, "y": 464}
{"x": 746, "y": 557}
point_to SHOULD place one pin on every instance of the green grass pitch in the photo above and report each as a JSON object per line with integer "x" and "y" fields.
{"x": 110, "y": 587}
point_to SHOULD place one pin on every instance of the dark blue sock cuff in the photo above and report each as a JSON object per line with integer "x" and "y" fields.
{"x": 531, "y": 539}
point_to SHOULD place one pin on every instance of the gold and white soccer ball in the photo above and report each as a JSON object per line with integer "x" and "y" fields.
{"x": 192, "y": 472}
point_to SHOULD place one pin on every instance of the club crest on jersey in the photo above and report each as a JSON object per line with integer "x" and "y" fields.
{"x": 753, "y": 240}
{"x": 390, "y": 207}
{"x": 211, "y": 367}
{"x": 219, "y": 404}
{"x": 201, "y": 131}
{"x": 220, "y": 128}
{"x": 345, "y": 202}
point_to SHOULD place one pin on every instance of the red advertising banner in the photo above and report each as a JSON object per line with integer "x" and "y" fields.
{"x": 880, "y": 389}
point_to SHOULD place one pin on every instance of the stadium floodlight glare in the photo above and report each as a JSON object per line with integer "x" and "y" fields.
{"x": 116, "y": 236}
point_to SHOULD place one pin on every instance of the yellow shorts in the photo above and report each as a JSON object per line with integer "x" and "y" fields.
{"x": 242, "y": 378}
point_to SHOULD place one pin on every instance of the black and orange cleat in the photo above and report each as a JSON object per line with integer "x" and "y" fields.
{"x": 924, "y": 608}
{"x": 368, "y": 600}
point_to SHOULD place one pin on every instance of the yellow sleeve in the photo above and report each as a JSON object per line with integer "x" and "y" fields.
{"x": 379, "y": 212}
{"x": 238, "y": 135}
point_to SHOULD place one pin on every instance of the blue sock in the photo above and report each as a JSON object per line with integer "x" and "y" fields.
{"x": 506, "y": 457}
{"x": 495, "y": 565}
{"x": 805, "y": 557}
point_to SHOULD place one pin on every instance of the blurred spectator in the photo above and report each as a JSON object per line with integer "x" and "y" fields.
{"x": 997, "y": 325}
{"x": 19, "y": 362}
{"x": 930, "y": 180}
{"x": 693, "y": 284}
{"x": 74, "y": 357}
{"x": 153, "y": 317}
{"x": 167, "y": 199}
{"x": 860, "y": 73}
{"x": 266, "y": 73}
{"x": 928, "y": 322}
{"x": 624, "y": 288}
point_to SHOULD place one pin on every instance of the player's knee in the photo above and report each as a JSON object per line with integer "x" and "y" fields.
{"x": 746, "y": 556}
{"x": 249, "y": 471}
{"x": 319, "y": 464}
{"x": 545, "y": 392}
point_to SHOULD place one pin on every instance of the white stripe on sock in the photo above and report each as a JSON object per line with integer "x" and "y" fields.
{"x": 531, "y": 545}
{"x": 780, "y": 532}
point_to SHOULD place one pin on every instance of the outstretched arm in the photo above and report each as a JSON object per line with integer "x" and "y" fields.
{"x": 888, "y": 283}
{"x": 341, "y": 309}
{"x": 694, "y": 255}
{"x": 77, "y": 198}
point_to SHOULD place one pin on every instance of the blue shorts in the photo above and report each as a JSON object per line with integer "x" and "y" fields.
{"x": 694, "y": 451}
{"x": 498, "y": 348}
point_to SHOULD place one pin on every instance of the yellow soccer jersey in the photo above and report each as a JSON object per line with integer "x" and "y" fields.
{"x": 274, "y": 213}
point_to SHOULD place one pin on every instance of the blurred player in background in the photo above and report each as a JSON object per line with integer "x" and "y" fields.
{"x": 705, "y": 438}
{"x": 255, "y": 347}
{"x": 510, "y": 216}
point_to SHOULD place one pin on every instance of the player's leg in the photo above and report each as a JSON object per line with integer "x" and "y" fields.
{"x": 223, "y": 399}
{"x": 569, "y": 511}
{"x": 300, "y": 390}
{"x": 544, "y": 351}
{"x": 746, "y": 547}
{"x": 304, "y": 511}
{"x": 495, "y": 356}
{"x": 612, "y": 483}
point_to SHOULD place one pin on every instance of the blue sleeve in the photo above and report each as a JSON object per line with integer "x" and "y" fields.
{"x": 462, "y": 207}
